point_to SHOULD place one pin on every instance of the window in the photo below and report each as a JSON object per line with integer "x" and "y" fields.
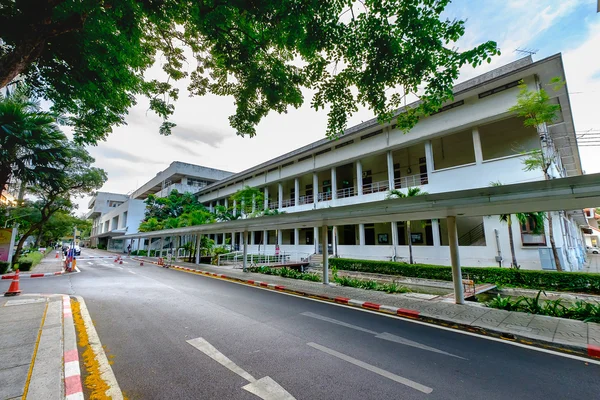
{"x": 369, "y": 135}
{"x": 318, "y": 153}
{"x": 197, "y": 182}
{"x": 305, "y": 158}
{"x": 449, "y": 107}
{"x": 531, "y": 235}
{"x": 339, "y": 146}
{"x": 498, "y": 89}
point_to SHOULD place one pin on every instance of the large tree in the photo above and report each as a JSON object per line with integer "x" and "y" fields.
{"x": 31, "y": 144}
{"x": 75, "y": 177}
{"x": 535, "y": 107}
{"x": 89, "y": 57}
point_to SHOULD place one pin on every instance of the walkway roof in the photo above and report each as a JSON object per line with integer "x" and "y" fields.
{"x": 559, "y": 194}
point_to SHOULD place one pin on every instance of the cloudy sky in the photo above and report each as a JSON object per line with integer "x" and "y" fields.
{"x": 136, "y": 152}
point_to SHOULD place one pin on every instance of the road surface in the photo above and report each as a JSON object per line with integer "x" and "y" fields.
{"x": 174, "y": 335}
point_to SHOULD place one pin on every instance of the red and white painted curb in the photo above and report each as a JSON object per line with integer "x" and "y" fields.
{"x": 34, "y": 275}
{"x": 404, "y": 312}
{"x": 73, "y": 387}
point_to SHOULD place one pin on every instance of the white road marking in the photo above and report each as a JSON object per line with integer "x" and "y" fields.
{"x": 265, "y": 388}
{"x": 372, "y": 368}
{"x": 335, "y": 321}
{"x": 407, "y": 342}
{"x": 384, "y": 335}
{"x": 219, "y": 357}
{"x": 90, "y": 263}
{"x": 131, "y": 272}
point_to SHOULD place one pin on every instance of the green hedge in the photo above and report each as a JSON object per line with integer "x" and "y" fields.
{"x": 546, "y": 280}
{"x": 139, "y": 253}
{"x": 3, "y": 266}
{"x": 24, "y": 265}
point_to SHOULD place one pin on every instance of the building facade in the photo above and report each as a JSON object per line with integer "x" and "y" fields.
{"x": 118, "y": 214}
{"x": 472, "y": 142}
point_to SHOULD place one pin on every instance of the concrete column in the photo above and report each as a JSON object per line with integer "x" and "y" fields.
{"x": 359, "y": 181}
{"x": 325, "y": 256}
{"x": 459, "y": 297}
{"x": 162, "y": 245}
{"x": 198, "y": 242}
{"x": 316, "y": 239}
{"x": 226, "y": 202}
{"x": 296, "y": 191}
{"x": 477, "y": 146}
{"x": 280, "y": 195}
{"x": 245, "y": 263}
{"x": 266, "y": 199}
{"x": 253, "y": 203}
{"x": 390, "y": 169}
{"x": 210, "y": 207}
{"x": 234, "y": 207}
{"x": 279, "y": 237}
{"x": 361, "y": 234}
{"x": 265, "y": 238}
{"x": 429, "y": 158}
{"x": 233, "y": 240}
{"x": 252, "y": 238}
{"x": 296, "y": 236}
{"x": 333, "y": 183}
{"x": 435, "y": 230}
{"x": 315, "y": 187}
{"x": 394, "y": 228}
{"x": 334, "y": 238}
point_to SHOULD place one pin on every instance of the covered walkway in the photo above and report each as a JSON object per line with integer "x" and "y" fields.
{"x": 559, "y": 194}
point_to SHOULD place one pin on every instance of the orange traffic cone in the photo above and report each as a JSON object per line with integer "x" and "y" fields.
{"x": 120, "y": 261}
{"x": 14, "y": 290}
{"x": 56, "y": 255}
{"x": 141, "y": 263}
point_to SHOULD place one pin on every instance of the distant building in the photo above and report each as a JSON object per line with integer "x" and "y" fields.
{"x": 117, "y": 214}
{"x": 469, "y": 143}
{"x": 592, "y": 232}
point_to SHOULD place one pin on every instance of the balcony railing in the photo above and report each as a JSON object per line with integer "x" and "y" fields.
{"x": 347, "y": 192}
{"x": 376, "y": 187}
{"x": 326, "y": 196}
{"x": 306, "y": 200}
{"x": 411, "y": 181}
{"x": 288, "y": 203}
{"x": 274, "y": 205}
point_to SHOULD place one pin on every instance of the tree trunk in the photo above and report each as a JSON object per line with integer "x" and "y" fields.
{"x": 410, "y": 252}
{"x": 17, "y": 61}
{"x": 511, "y": 240}
{"x": 552, "y": 244}
{"x": 39, "y": 237}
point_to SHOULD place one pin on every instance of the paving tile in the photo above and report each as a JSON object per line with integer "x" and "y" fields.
{"x": 14, "y": 356}
{"x": 569, "y": 331}
{"x": 471, "y": 314}
{"x": 493, "y": 318}
{"x": 13, "y": 381}
{"x": 518, "y": 320}
{"x": 543, "y": 326}
{"x": 593, "y": 333}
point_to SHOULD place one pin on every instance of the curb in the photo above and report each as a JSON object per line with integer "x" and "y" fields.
{"x": 72, "y": 373}
{"x": 587, "y": 351}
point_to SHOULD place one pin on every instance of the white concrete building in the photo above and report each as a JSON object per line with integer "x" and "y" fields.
{"x": 471, "y": 142}
{"x": 118, "y": 214}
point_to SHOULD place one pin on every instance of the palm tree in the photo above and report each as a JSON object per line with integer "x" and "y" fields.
{"x": 538, "y": 224}
{"x": 31, "y": 143}
{"x": 411, "y": 192}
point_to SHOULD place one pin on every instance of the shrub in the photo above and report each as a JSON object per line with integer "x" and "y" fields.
{"x": 24, "y": 265}
{"x": 581, "y": 310}
{"x": 286, "y": 273}
{"x": 3, "y": 266}
{"x": 139, "y": 252}
{"x": 546, "y": 280}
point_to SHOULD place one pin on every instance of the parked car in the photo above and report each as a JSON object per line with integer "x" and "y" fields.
{"x": 593, "y": 250}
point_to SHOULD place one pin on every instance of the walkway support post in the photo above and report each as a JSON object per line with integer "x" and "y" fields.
{"x": 198, "y": 242}
{"x": 162, "y": 245}
{"x": 325, "y": 255}
{"x": 245, "y": 251}
{"x": 459, "y": 296}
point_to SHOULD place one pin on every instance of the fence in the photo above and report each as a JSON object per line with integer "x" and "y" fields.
{"x": 284, "y": 257}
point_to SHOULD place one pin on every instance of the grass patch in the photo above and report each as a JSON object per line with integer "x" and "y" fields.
{"x": 28, "y": 261}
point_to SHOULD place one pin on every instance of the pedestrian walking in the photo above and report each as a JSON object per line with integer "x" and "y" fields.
{"x": 129, "y": 249}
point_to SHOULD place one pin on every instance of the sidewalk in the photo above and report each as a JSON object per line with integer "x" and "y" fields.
{"x": 560, "y": 334}
{"x": 32, "y": 346}
{"x": 593, "y": 264}
{"x": 49, "y": 264}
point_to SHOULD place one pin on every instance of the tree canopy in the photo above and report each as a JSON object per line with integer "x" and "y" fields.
{"x": 31, "y": 143}
{"x": 89, "y": 58}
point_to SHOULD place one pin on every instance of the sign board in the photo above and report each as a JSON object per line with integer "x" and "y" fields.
{"x": 5, "y": 239}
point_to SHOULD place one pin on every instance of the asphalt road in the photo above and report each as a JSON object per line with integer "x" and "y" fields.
{"x": 145, "y": 317}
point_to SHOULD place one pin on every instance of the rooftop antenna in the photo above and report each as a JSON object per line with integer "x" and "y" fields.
{"x": 526, "y": 51}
